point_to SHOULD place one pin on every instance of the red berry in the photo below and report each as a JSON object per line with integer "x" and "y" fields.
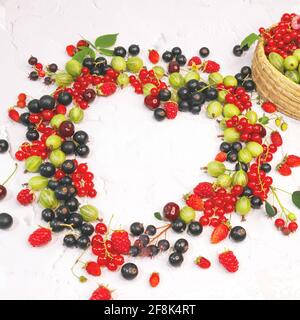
{"x": 293, "y": 226}
{"x": 171, "y": 211}
{"x": 101, "y": 228}
{"x": 152, "y": 102}
{"x": 204, "y": 221}
{"x": 211, "y": 66}
{"x": 71, "y": 50}
{"x": 229, "y": 261}
{"x": 154, "y": 279}
{"x": 102, "y": 293}
{"x": 120, "y": 242}
{"x": 153, "y": 56}
{"x": 14, "y": 115}
{"x": 203, "y": 263}
{"x": 204, "y": 190}
{"x": 220, "y": 233}
{"x": 284, "y": 169}
{"x": 93, "y": 268}
{"x": 293, "y": 161}
{"x": 40, "y": 237}
{"x": 221, "y": 156}
{"x": 194, "y": 201}
{"x": 82, "y": 43}
{"x": 276, "y": 138}
{"x": 279, "y": 223}
{"x": 269, "y": 107}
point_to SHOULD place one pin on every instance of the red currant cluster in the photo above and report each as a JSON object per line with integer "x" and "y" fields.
{"x": 25, "y": 197}
{"x": 286, "y": 227}
{"x": 110, "y": 251}
{"x": 237, "y": 96}
{"x": 83, "y": 180}
{"x": 284, "y": 38}
{"x": 248, "y": 131}
{"x": 36, "y": 148}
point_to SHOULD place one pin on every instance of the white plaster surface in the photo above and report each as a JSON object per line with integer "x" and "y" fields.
{"x": 139, "y": 164}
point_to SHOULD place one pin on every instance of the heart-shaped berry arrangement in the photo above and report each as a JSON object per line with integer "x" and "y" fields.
{"x": 54, "y": 148}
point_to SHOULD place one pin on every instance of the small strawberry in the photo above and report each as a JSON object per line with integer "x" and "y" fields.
{"x": 293, "y": 161}
{"x": 14, "y": 115}
{"x": 171, "y": 109}
{"x": 194, "y": 201}
{"x": 211, "y": 66}
{"x": 71, "y": 50}
{"x": 203, "y": 262}
{"x": 221, "y": 156}
{"x": 40, "y": 237}
{"x": 154, "y": 279}
{"x": 276, "y": 138}
{"x": 284, "y": 169}
{"x": 82, "y": 43}
{"x": 220, "y": 233}
{"x": 101, "y": 293}
{"x": 93, "y": 268}
{"x": 204, "y": 190}
{"x": 153, "y": 56}
{"x": 269, "y": 107}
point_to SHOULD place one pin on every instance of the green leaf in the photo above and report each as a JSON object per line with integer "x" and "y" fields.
{"x": 106, "y": 52}
{"x": 106, "y": 40}
{"x": 296, "y": 199}
{"x": 270, "y": 209}
{"x": 249, "y": 40}
{"x": 83, "y": 53}
{"x": 158, "y": 216}
{"x": 264, "y": 120}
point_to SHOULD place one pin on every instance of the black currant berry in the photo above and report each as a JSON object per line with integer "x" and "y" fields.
{"x": 195, "y": 109}
{"x": 101, "y": 61}
{"x": 153, "y": 250}
{"x": 247, "y": 192}
{"x": 176, "y": 259}
{"x": 64, "y": 98}
{"x": 62, "y": 213}
{"x": 32, "y": 135}
{"x": 145, "y": 239}
{"x": 75, "y": 220}
{"x": 34, "y": 106}
{"x": 266, "y": 167}
{"x": 176, "y": 51}
{"x": 241, "y": 165}
{"x": 211, "y": 94}
{"x": 48, "y": 215}
{"x": 184, "y": 106}
{"x": 256, "y": 202}
{"x": 24, "y": 118}
{"x": 167, "y": 56}
{"x": 181, "y": 246}
{"x": 159, "y": 114}
{"x": 136, "y": 229}
{"x": 82, "y": 150}
{"x": 181, "y": 59}
{"x": 88, "y": 62}
{"x": 246, "y": 71}
{"x": 65, "y": 181}
{"x": 237, "y": 50}
{"x": 52, "y": 67}
{"x": 192, "y": 85}
{"x": 163, "y": 245}
{"x": 134, "y": 251}
{"x": 64, "y": 192}
{"x": 81, "y": 137}
{"x": 164, "y": 95}
{"x": 32, "y": 61}
{"x": 150, "y": 230}
{"x": 134, "y": 50}
{"x": 237, "y": 146}
{"x": 238, "y": 233}
{"x": 120, "y": 51}
{"x": 52, "y": 184}
{"x": 33, "y": 75}
{"x": 68, "y": 147}
{"x": 48, "y": 81}
{"x": 3, "y": 146}
{"x": 87, "y": 229}
{"x": 239, "y": 77}
{"x": 129, "y": 271}
{"x": 70, "y": 241}
{"x": 6, "y": 221}
{"x": 204, "y": 52}
{"x": 68, "y": 166}
{"x": 83, "y": 242}
{"x": 178, "y": 226}
{"x": 232, "y": 156}
{"x": 195, "y": 228}
{"x": 249, "y": 85}
{"x": 47, "y": 102}
{"x": 47, "y": 169}
{"x": 56, "y": 225}
{"x": 183, "y": 93}
{"x": 225, "y": 147}
{"x": 197, "y": 98}
{"x": 72, "y": 204}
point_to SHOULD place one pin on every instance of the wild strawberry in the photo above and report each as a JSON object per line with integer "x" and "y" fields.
{"x": 203, "y": 262}
{"x": 276, "y": 138}
{"x": 153, "y": 56}
{"x": 14, "y": 115}
{"x": 220, "y": 233}
{"x": 101, "y": 293}
{"x": 154, "y": 279}
{"x": 292, "y": 161}
{"x": 194, "y": 62}
{"x": 221, "y": 156}
{"x": 211, "y": 66}
{"x": 284, "y": 169}
{"x": 171, "y": 109}
{"x": 194, "y": 201}
{"x": 229, "y": 261}
{"x": 204, "y": 190}
{"x": 120, "y": 242}
{"x": 82, "y": 43}
{"x": 107, "y": 89}
{"x": 93, "y": 268}
{"x": 40, "y": 237}
{"x": 71, "y": 50}
{"x": 269, "y": 107}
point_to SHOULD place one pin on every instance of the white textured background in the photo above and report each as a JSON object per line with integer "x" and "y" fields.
{"x": 139, "y": 164}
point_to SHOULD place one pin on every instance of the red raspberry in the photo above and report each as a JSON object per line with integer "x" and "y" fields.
{"x": 229, "y": 261}
{"x": 93, "y": 268}
{"x": 120, "y": 242}
{"x": 211, "y": 66}
{"x": 82, "y": 43}
{"x": 276, "y": 138}
{"x": 204, "y": 190}
{"x": 171, "y": 109}
{"x": 153, "y": 56}
{"x": 107, "y": 89}
{"x": 194, "y": 201}
{"x": 194, "y": 62}
{"x": 25, "y": 197}
{"x": 102, "y": 293}
{"x": 40, "y": 237}
{"x": 269, "y": 107}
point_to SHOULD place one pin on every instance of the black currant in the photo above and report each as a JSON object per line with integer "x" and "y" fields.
{"x": 52, "y": 67}
{"x": 33, "y": 75}
{"x": 246, "y": 71}
{"x": 163, "y": 245}
{"x": 136, "y": 228}
{"x": 72, "y": 204}
{"x": 47, "y": 102}
{"x": 145, "y": 239}
{"x": 32, "y": 61}
{"x": 241, "y": 165}
{"x": 239, "y": 77}
{"x": 237, "y": 146}
{"x": 184, "y": 106}
{"x": 3, "y": 146}
{"x": 181, "y": 246}
{"x": 134, "y": 50}
{"x": 32, "y": 135}
{"x": 101, "y": 61}
{"x": 24, "y": 118}
{"x": 176, "y": 259}
{"x": 192, "y": 85}
{"x": 129, "y": 271}
{"x": 178, "y": 225}
{"x": 249, "y": 85}
{"x": 56, "y": 225}
{"x": 150, "y": 230}
{"x": 52, "y": 184}
{"x": 238, "y": 233}
{"x": 65, "y": 192}
{"x": 34, "y": 106}
{"x": 195, "y": 109}
{"x": 266, "y": 167}
{"x": 68, "y": 147}
{"x": 164, "y": 95}
{"x": 225, "y": 147}
{"x": 82, "y": 150}
{"x": 87, "y": 229}
{"x": 62, "y": 213}
{"x": 64, "y": 98}
{"x": 134, "y": 251}
{"x": 181, "y": 59}
{"x": 211, "y": 94}
{"x": 83, "y": 242}
{"x": 204, "y": 52}
{"x": 68, "y": 166}
{"x": 159, "y": 114}
{"x": 256, "y": 202}
{"x": 70, "y": 241}
{"x": 197, "y": 98}
{"x": 247, "y": 192}
{"x": 120, "y": 51}
{"x": 48, "y": 215}
{"x": 237, "y": 50}
{"x": 47, "y": 169}
{"x": 232, "y": 156}
{"x": 6, "y": 221}
{"x": 81, "y": 137}
{"x": 75, "y": 220}
{"x": 167, "y": 56}
{"x": 183, "y": 93}
{"x": 176, "y": 51}
{"x": 153, "y": 250}
{"x": 88, "y": 62}
{"x": 195, "y": 228}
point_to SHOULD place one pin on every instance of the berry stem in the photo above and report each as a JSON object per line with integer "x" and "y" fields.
{"x": 11, "y": 175}
{"x": 167, "y": 227}
{"x": 279, "y": 202}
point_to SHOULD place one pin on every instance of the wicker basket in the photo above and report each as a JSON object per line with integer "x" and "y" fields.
{"x": 274, "y": 86}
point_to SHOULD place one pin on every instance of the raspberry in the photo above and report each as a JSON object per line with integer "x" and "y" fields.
{"x": 171, "y": 109}
{"x": 102, "y": 293}
{"x": 40, "y": 237}
{"x": 93, "y": 268}
{"x": 211, "y": 66}
{"x": 229, "y": 261}
{"x": 107, "y": 89}
{"x": 204, "y": 190}
{"x": 25, "y": 197}
{"x": 194, "y": 201}
{"x": 194, "y": 62}
{"x": 120, "y": 242}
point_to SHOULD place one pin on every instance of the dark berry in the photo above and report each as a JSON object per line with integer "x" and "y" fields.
{"x": 24, "y": 118}
{"x": 145, "y": 239}
{"x": 52, "y": 184}
{"x": 266, "y": 167}
{"x": 47, "y": 102}
{"x": 249, "y": 85}
{"x": 120, "y": 51}
{"x": 134, "y": 50}
{"x": 64, "y": 98}
{"x": 232, "y": 156}
{"x": 246, "y": 71}
{"x": 204, "y": 52}
{"x": 184, "y": 106}
{"x": 32, "y": 61}
{"x": 136, "y": 229}
{"x": 89, "y": 95}
{"x": 56, "y": 225}
{"x": 195, "y": 109}
{"x": 167, "y": 56}
{"x": 211, "y": 94}
{"x": 101, "y": 61}
{"x": 52, "y": 67}
{"x": 164, "y": 95}
{"x": 173, "y": 67}
{"x": 241, "y": 165}
{"x": 68, "y": 166}
{"x": 134, "y": 251}
{"x": 87, "y": 229}
{"x": 48, "y": 215}
{"x": 181, "y": 246}
{"x": 72, "y": 204}
{"x": 88, "y": 62}
{"x": 3, "y": 146}
{"x": 66, "y": 129}
{"x": 225, "y": 147}
{"x": 197, "y": 98}
{"x": 68, "y": 147}
{"x": 47, "y": 169}
{"x": 81, "y": 137}
{"x": 70, "y": 241}
{"x": 83, "y": 242}
{"x": 6, "y": 221}
{"x": 33, "y": 75}
{"x": 183, "y": 93}
{"x": 150, "y": 230}
{"x": 247, "y": 192}
{"x": 82, "y": 150}
{"x": 178, "y": 225}
{"x": 237, "y": 146}
{"x": 238, "y": 233}
{"x": 256, "y": 202}
{"x": 32, "y": 135}
{"x": 181, "y": 59}
{"x": 195, "y": 228}
{"x": 62, "y": 213}
{"x": 163, "y": 245}
{"x": 48, "y": 81}
{"x": 237, "y": 50}
{"x": 239, "y": 77}
{"x": 176, "y": 259}
{"x": 176, "y": 51}
{"x": 65, "y": 192}
{"x": 129, "y": 271}
{"x": 75, "y": 220}
{"x": 159, "y": 114}
{"x": 192, "y": 85}
{"x": 34, "y": 106}
{"x": 153, "y": 250}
